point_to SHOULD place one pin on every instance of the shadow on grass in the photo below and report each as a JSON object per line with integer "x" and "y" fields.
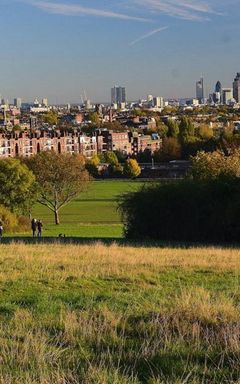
{"x": 118, "y": 241}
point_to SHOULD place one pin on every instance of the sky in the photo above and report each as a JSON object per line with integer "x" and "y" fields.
{"x": 61, "y": 49}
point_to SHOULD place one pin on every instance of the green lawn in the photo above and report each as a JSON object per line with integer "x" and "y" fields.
{"x": 93, "y": 214}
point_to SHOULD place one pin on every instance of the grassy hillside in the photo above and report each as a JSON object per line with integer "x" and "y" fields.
{"x": 93, "y": 214}
{"x": 114, "y": 315}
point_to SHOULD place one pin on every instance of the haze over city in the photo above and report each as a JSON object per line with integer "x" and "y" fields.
{"x": 58, "y": 49}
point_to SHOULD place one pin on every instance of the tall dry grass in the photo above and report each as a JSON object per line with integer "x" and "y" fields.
{"x": 115, "y": 315}
{"x": 100, "y": 259}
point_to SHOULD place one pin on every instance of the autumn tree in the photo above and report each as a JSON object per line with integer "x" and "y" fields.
{"x": 206, "y": 166}
{"x": 171, "y": 150}
{"x": 60, "y": 178}
{"x": 110, "y": 158}
{"x": 92, "y": 165}
{"x": 205, "y": 132}
{"x": 131, "y": 169}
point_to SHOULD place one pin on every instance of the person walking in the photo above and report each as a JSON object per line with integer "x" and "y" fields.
{"x": 34, "y": 227}
{"x": 39, "y": 227}
{"x": 1, "y": 231}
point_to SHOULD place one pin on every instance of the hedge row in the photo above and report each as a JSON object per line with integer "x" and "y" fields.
{"x": 184, "y": 211}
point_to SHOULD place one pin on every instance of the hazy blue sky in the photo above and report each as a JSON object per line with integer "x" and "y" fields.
{"x": 59, "y": 48}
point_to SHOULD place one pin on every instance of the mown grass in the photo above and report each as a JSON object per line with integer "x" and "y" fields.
{"x": 93, "y": 214}
{"x": 110, "y": 314}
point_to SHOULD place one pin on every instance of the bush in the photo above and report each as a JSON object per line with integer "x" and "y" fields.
{"x": 8, "y": 219}
{"x": 24, "y": 224}
{"x": 207, "y": 211}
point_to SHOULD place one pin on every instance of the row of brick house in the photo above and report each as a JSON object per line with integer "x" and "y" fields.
{"x": 26, "y": 144}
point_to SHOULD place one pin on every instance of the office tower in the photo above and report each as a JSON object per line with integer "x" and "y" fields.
{"x": 218, "y": 87}
{"x": 158, "y": 102}
{"x": 118, "y": 95}
{"x": 5, "y": 102}
{"x": 45, "y": 102}
{"x": 17, "y": 102}
{"x": 200, "y": 90}
{"x": 217, "y": 95}
{"x": 236, "y": 88}
{"x": 88, "y": 104}
{"x": 227, "y": 95}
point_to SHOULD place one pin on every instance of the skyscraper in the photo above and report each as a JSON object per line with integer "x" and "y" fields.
{"x": 217, "y": 95}
{"x": 236, "y": 88}
{"x": 218, "y": 87}
{"x": 45, "y": 102}
{"x": 118, "y": 95}
{"x": 18, "y": 102}
{"x": 200, "y": 90}
{"x": 227, "y": 95}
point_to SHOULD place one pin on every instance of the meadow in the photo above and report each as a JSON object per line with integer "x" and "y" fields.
{"x": 97, "y": 314}
{"x": 93, "y": 214}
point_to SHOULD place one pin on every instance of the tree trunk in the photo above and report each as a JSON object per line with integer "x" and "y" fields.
{"x": 57, "y": 221}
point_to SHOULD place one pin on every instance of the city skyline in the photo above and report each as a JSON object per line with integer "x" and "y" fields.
{"x": 58, "y": 49}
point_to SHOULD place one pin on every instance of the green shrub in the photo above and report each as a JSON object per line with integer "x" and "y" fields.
{"x": 207, "y": 211}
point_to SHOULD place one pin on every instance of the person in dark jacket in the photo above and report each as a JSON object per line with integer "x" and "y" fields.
{"x": 39, "y": 228}
{"x": 34, "y": 227}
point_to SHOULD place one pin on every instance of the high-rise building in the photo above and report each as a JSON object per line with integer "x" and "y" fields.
{"x": 17, "y": 102}
{"x": 218, "y": 87}
{"x": 158, "y": 102}
{"x": 88, "y": 104}
{"x": 118, "y": 95}
{"x": 200, "y": 90}
{"x": 227, "y": 95}
{"x": 217, "y": 95}
{"x": 236, "y": 88}
{"x": 45, "y": 102}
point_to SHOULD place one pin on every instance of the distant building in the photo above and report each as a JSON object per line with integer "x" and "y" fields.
{"x": 88, "y": 104}
{"x": 17, "y": 102}
{"x": 39, "y": 108}
{"x": 217, "y": 97}
{"x": 158, "y": 102}
{"x": 146, "y": 143}
{"x": 227, "y": 95}
{"x": 27, "y": 144}
{"x": 45, "y": 102}
{"x": 236, "y": 88}
{"x": 118, "y": 95}
{"x": 200, "y": 90}
{"x": 218, "y": 87}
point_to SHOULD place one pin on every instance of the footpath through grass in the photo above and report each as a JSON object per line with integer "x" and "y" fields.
{"x": 119, "y": 315}
{"x": 93, "y": 214}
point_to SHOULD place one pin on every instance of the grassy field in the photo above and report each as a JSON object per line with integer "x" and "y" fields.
{"x": 93, "y": 214}
{"x": 118, "y": 315}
